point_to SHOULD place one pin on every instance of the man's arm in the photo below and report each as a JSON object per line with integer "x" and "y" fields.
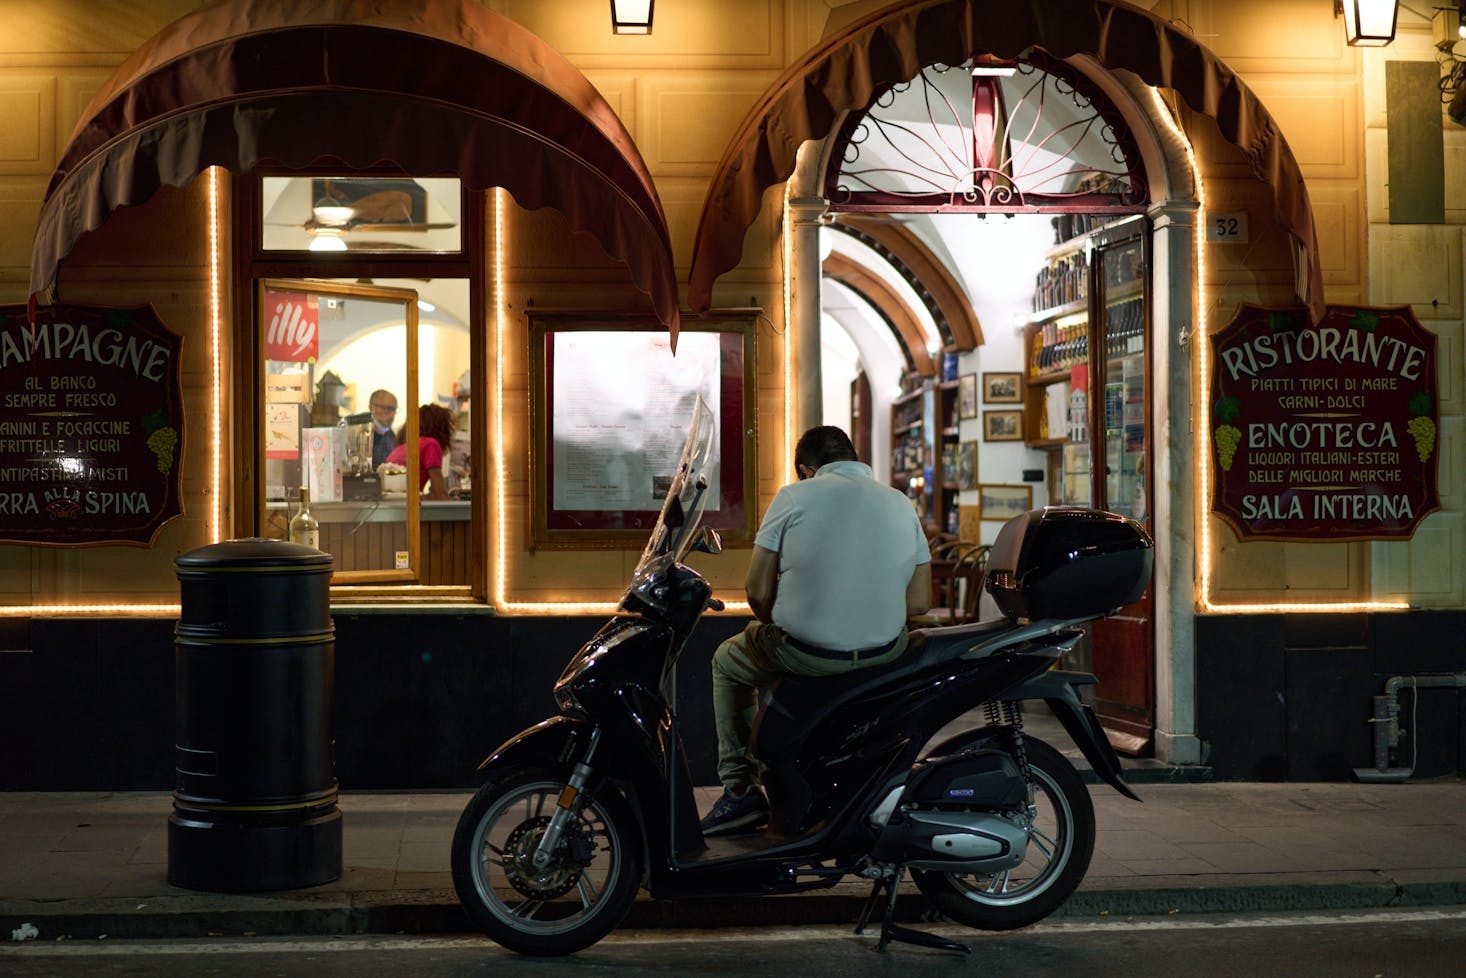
{"x": 919, "y": 590}
{"x": 763, "y": 583}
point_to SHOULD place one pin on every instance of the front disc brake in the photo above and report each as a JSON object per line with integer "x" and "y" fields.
{"x": 572, "y": 855}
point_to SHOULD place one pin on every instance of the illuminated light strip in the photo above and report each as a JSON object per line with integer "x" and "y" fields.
{"x": 789, "y": 392}
{"x": 111, "y": 610}
{"x": 501, "y": 468}
{"x": 501, "y": 477}
{"x": 1202, "y": 338}
{"x": 216, "y": 291}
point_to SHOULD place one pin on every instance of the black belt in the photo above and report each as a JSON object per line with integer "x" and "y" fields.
{"x": 842, "y": 655}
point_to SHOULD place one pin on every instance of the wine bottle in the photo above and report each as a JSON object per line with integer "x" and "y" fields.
{"x": 304, "y": 528}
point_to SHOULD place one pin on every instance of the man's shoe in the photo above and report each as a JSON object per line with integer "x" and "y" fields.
{"x": 737, "y": 813}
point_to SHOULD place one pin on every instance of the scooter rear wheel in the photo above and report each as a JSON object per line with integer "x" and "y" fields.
{"x": 577, "y": 899}
{"x": 1061, "y": 843}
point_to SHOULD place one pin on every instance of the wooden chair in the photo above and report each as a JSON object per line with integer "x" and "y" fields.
{"x": 958, "y": 568}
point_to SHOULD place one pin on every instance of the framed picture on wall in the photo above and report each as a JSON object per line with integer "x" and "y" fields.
{"x": 1003, "y": 502}
{"x": 967, "y": 465}
{"x": 609, "y": 409}
{"x": 967, "y": 396}
{"x": 1002, "y": 388}
{"x": 1002, "y": 425}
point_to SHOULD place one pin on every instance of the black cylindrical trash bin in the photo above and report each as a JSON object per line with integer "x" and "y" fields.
{"x": 255, "y": 804}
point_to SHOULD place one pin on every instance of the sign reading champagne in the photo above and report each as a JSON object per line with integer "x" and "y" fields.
{"x": 92, "y": 428}
{"x": 1327, "y": 431}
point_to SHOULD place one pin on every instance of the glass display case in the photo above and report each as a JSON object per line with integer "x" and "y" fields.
{"x": 1124, "y": 379}
{"x": 1085, "y": 378}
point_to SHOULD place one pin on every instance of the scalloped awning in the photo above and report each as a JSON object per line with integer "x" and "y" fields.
{"x": 892, "y": 45}
{"x": 439, "y": 87}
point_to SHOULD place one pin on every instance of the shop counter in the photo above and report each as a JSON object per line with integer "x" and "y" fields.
{"x": 367, "y": 535}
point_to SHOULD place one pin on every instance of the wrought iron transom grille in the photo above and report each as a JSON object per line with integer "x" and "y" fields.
{"x": 998, "y": 136}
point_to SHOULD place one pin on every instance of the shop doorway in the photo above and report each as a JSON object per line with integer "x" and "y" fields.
{"x": 1025, "y": 181}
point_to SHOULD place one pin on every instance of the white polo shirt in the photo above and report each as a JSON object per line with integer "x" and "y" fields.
{"x": 847, "y": 547}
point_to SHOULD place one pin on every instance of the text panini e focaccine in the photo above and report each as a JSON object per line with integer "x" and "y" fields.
{"x": 1268, "y": 351}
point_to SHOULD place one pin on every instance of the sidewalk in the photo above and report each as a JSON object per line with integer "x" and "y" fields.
{"x": 87, "y": 865}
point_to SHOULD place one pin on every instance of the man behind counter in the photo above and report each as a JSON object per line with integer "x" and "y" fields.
{"x": 384, "y": 409}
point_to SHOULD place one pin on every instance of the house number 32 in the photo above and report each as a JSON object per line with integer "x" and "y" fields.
{"x": 1227, "y": 228}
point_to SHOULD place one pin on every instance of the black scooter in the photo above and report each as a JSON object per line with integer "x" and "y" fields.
{"x": 996, "y": 827}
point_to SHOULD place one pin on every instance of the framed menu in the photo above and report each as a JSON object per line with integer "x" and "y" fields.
{"x": 610, "y": 405}
{"x": 91, "y": 431}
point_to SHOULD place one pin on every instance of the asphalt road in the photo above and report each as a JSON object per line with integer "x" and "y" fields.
{"x": 1418, "y": 943}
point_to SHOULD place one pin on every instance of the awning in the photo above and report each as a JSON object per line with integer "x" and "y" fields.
{"x": 437, "y": 87}
{"x": 844, "y": 71}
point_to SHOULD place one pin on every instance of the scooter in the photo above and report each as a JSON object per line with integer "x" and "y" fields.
{"x": 995, "y": 827}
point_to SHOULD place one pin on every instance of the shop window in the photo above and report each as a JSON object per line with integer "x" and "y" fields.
{"x": 364, "y": 373}
{"x": 367, "y": 215}
{"x": 365, "y": 386}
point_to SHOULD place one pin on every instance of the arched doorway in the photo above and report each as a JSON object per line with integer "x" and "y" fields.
{"x": 1158, "y": 75}
{"x": 1027, "y": 182}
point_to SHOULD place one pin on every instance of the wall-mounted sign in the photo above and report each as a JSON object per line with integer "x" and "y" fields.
{"x": 1327, "y": 431}
{"x": 293, "y": 327}
{"x": 91, "y": 432}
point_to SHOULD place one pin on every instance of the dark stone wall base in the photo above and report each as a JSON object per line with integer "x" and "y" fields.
{"x": 1289, "y": 697}
{"x": 88, "y": 704}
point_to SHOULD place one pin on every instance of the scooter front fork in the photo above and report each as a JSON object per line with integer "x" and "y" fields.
{"x": 567, "y": 807}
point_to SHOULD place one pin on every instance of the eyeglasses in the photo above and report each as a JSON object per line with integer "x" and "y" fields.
{"x": 389, "y": 408}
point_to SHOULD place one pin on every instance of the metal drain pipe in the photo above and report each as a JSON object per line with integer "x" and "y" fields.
{"x": 1386, "y": 720}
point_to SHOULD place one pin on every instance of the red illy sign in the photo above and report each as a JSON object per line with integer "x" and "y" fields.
{"x": 1324, "y": 431}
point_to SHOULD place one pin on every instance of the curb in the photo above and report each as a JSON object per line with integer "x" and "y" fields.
{"x": 437, "y": 911}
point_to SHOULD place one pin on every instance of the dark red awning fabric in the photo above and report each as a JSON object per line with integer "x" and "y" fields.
{"x": 435, "y": 87}
{"x": 892, "y": 45}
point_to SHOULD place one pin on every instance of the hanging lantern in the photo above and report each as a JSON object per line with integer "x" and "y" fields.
{"x": 631, "y": 16}
{"x": 1369, "y": 23}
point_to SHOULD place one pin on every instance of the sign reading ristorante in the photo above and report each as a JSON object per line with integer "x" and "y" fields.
{"x": 1326, "y": 431}
{"x": 91, "y": 426}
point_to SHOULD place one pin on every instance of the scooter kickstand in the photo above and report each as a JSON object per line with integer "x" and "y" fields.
{"x": 891, "y": 931}
{"x": 870, "y": 904}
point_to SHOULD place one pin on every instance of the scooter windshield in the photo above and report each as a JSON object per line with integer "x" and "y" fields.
{"x": 687, "y": 496}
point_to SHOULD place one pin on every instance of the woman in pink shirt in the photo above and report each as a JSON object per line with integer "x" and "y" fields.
{"x": 434, "y": 434}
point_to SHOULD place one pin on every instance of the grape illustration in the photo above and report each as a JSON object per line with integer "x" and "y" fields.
{"x": 162, "y": 438}
{"x": 162, "y": 442}
{"x": 1228, "y": 436}
{"x": 1421, "y": 428}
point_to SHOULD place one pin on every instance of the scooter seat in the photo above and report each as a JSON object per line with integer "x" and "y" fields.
{"x": 792, "y": 705}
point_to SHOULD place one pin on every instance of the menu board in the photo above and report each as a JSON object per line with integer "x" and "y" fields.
{"x": 91, "y": 432}
{"x": 1324, "y": 431}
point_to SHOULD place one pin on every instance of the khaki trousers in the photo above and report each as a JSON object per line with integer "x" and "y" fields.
{"x": 756, "y": 657}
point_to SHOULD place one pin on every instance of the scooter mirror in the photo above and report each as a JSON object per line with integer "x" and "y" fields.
{"x": 708, "y": 541}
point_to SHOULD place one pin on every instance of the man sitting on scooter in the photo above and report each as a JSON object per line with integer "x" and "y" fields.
{"x": 840, "y": 562}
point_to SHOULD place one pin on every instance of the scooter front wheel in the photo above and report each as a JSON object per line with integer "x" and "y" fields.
{"x": 575, "y": 900}
{"x": 1061, "y": 841}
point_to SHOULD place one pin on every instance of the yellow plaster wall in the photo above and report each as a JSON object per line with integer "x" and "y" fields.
{"x": 1421, "y": 265}
{"x": 1292, "y": 54}
{"x": 54, "y": 54}
{"x": 681, "y": 92}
